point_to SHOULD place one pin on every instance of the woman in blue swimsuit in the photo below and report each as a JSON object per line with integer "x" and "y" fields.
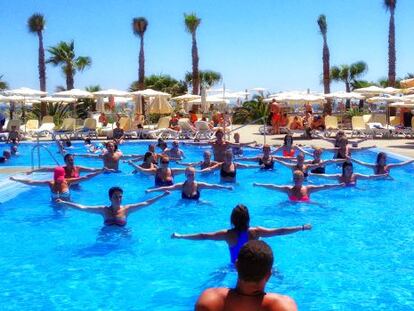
{"x": 115, "y": 214}
{"x": 241, "y": 232}
{"x": 190, "y": 189}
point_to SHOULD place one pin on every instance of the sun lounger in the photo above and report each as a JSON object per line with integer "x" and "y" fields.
{"x": 88, "y": 129}
{"x": 203, "y": 130}
{"x": 187, "y": 130}
{"x": 331, "y": 125}
{"x": 67, "y": 129}
{"x": 359, "y": 127}
{"x": 47, "y": 119}
{"x": 30, "y": 126}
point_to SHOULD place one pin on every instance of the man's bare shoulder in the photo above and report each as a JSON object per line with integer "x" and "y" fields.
{"x": 277, "y": 302}
{"x": 212, "y": 299}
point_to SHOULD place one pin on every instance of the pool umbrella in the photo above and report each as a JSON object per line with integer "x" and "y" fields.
{"x": 186, "y": 97}
{"x": 160, "y": 105}
{"x": 344, "y": 95}
{"x": 150, "y": 93}
{"x": 371, "y": 90}
{"x": 25, "y": 92}
{"x": 111, "y": 92}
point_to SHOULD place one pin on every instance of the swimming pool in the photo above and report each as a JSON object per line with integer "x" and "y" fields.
{"x": 357, "y": 257}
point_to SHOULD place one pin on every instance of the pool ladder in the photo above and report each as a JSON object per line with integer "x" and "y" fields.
{"x": 37, "y": 147}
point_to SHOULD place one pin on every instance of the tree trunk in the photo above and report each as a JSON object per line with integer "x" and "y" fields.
{"x": 141, "y": 69}
{"x": 327, "y": 108}
{"x": 69, "y": 80}
{"x": 196, "y": 75}
{"x": 42, "y": 72}
{"x": 391, "y": 50}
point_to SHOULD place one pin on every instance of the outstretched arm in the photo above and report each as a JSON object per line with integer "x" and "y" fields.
{"x": 323, "y": 187}
{"x": 363, "y": 163}
{"x": 88, "y": 169}
{"x": 134, "y": 207}
{"x": 203, "y": 185}
{"x": 303, "y": 150}
{"x": 240, "y": 165}
{"x": 166, "y": 188}
{"x": 88, "y": 155}
{"x": 148, "y": 171}
{"x": 88, "y": 176}
{"x": 31, "y": 182}
{"x": 189, "y": 163}
{"x": 399, "y": 164}
{"x": 290, "y": 165}
{"x": 84, "y": 208}
{"x": 212, "y": 168}
{"x": 327, "y": 176}
{"x": 215, "y": 236}
{"x": 269, "y": 232}
{"x": 137, "y": 167}
{"x": 379, "y": 176}
{"x": 331, "y": 140}
{"x": 361, "y": 148}
{"x": 248, "y": 158}
{"x": 273, "y": 187}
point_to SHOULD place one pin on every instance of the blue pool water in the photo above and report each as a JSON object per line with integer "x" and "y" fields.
{"x": 359, "y": 255}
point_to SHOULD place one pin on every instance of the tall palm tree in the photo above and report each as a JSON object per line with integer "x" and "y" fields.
{"x": 390, "y": 5}
{"x": 348, "y": 73}
{"x": 139, "y": 26}
{"x": 323, "y": 27}
{"x": 36, "y": 24}
{"x": 3, "y": 84}
{"x": 64, "y": 54}
{"x": 191, "y": 23}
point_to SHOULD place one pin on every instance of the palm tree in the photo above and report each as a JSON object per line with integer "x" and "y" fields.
{"x": 64, "y": 54}
{"x": 348, "y": 73}
{"x": 3, "y": 84}
{"x": 163, "y": 83}
{"x": 207, "y": 78}
{"x": 139, "y": 26}
{"x": 36, "y": 24}
{"x": 323, "y": 27}
{"x": 191, "y": 23}
{"x": 390, "y": 5}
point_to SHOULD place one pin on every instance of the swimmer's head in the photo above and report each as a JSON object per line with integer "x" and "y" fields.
{"x": 164, "y": 161}
{"x": 190, "y": 173}
{"x": 254, "y": 262}
{"x": 298, "y": 178}
{"x": 118, "y": 124}
{"x": 111, "y": 146}
{"x": 288, "y": 140}
{"x": 228, "y": 156}
{"x": 240, "y": 218}
{"x": 175, "y": 143}
{"x": 266, "y": 149}
{"x": 147, "y": 156}
{"x": 115, "y": 195}
{"x": 68, "y": 143}
{"x": 300, "y": 158}
{"x": 7, "y": 154}
{"x": 317, "y": 152}
{"x": 347, "y": 168}
{"x": 151, "y": 148}
{"x": 59, "y": 174}
{"x": 69, "y": 159}
{"x": 219, "y": 134}
{"x": 381, "y": 158}
{"x": 13, "y": 149}
{"x": 87, "y": 141}
{"x": 340, "y": 134}
{"x": 207, "y": 155}
{"x": 236, "y": 137}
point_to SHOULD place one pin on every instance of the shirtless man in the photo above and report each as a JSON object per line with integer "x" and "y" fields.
{"x": 174, "y": 153}
{"x": 254, "y": 267}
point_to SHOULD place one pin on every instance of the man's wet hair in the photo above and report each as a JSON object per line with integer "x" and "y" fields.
{"x": 255, "y": 261}
{"x": 67, "y": 156}
{"x": 114, "y": 189}
{"x": 240, "y": 218}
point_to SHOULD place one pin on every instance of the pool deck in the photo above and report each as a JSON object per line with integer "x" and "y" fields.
{"x": 400, "y": 146}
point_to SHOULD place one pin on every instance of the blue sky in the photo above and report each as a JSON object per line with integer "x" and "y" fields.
{"x": 268, "y": 43}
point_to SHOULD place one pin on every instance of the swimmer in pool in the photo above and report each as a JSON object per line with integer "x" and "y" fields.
{"x": 206, "y": 163}
{"x": 228, "y": 168}
{"x": 300, "y": 164}
{"x": 174, "y": 153}
{"x": 115, "y": 214}
{"x": 288, "y": 149}
{"x": 241, "y": 232}
{"x": 147, "y": 163}
{"x": 298, "y": 192}
{"x": 190, "y": 189}
{"x": 59, "y": 186}
{"x": 220, "y": 145}
{"x": 164, "y": 175}
{"x": 110, "y": 157}
{"x": 338, "y": 136}
{"x": 348, "y": 177}
{"x": 381, "y": 166}
{"x": 343, "y": 150}
{"x": 317, "y": 153}
{"x": 71, "y": 170}
{"x": 265, "y": 160}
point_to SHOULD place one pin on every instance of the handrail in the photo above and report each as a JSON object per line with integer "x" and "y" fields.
{"x": 38, "y": 146}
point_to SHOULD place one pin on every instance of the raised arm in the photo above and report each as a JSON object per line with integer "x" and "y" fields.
{"x": 399, "y": 164}
{"x": 134, "y": 207}
{"x": 84, "y": 208}
{"x": 203, "y": 185}
{"x": 215, "y": 236}
{"x": 314, "y": 188}
{"x": 269, "y": 232}
{"x": 31, "y": 182}
{"x": 363, "y": 163}
{"x": 177, "y": 186}
{"x": 273, "y": 187}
